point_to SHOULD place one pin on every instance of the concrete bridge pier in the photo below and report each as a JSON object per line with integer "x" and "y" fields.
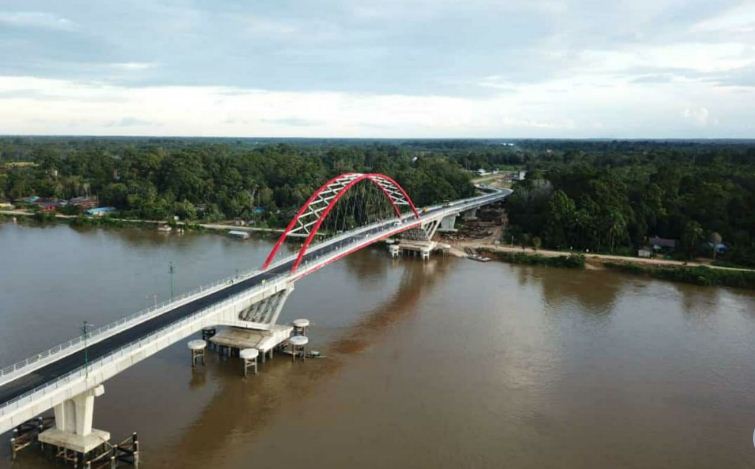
{"x": 73, "y": 424}
{"x": 470, "y": 214}
{"x": 447, "y": 224}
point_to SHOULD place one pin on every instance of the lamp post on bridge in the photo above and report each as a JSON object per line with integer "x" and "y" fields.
{"x": 172, "y": 270}
{"x": 85, "y": 331}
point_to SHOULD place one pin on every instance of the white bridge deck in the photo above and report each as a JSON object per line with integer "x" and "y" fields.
{"x": 43, "y": 381}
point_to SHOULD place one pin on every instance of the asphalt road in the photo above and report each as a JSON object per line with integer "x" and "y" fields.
{"x": 69, "y": 363}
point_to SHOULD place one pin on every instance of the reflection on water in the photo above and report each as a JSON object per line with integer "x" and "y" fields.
{"x": 241, "y": 409}
{"x": 448, "y": 363}
{"x": 591, "y": 291}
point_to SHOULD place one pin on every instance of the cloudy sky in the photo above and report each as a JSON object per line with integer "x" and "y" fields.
{"x": 386, "y": 68}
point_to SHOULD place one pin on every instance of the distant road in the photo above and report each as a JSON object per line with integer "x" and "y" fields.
{"x": 604, "y": 257}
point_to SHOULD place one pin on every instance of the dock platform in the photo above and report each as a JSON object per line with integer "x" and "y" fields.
{"x": 263, "y": 340}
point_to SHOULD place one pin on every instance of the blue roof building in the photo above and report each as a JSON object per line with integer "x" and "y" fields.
{"x": 100, "y": 211}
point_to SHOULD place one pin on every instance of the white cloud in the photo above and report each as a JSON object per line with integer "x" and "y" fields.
{"x": 560, "y": 68}
{"x": 701, "y": 57}
{"x": 740, "y": 19}
{"x": 535, "y": 110}
{"x": 132, "y": 66}
{"x": 36, "y": 19}
{"x": 699, "y": 115}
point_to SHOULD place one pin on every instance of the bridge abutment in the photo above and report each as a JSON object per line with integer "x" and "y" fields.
{"x": 73, "y": 424}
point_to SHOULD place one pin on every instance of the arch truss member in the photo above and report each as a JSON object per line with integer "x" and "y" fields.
{"x": 315, "y": 210}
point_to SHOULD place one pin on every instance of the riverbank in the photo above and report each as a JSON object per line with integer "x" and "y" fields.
{"x": 688, "y": 272}
{"x": 698, "y": 275}
{"x": 116, "y": 222}
{"x": 570, "y": 261}
{"x": 594, "y": 259}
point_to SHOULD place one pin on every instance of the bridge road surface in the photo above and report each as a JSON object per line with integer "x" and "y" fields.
{"x": 102, "y": 348}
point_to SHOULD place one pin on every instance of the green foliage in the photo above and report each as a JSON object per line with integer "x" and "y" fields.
{"x": 82, "y": 221}
{"x": 197, "y": 179}
{"x": 43, "y": 217}
{"x": 692, "y": 235}
{"x": 698, "y": 275}
{"x": 613, "y": 196}
{"x": 601, "y": 196}
{"x": 572, "y": 261}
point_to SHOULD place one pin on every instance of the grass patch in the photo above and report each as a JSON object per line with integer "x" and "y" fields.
{"x": 98, "y": 221}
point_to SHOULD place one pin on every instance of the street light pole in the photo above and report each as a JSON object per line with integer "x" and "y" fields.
{"x": 172, "y": 281}
{"x": 85, "y": 331}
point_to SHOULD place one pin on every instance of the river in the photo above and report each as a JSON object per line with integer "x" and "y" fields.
{"x": 448, "y": 363}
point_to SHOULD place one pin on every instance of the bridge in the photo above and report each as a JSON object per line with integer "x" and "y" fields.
{"x": 68, "y": 377}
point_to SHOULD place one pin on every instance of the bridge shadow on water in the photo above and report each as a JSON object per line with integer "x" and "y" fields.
{"x": 241, "y": 408}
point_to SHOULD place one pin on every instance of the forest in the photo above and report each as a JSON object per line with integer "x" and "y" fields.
{"x": 612, "y": 196}
{"x": 212, "y": 180}
{"x": 595, "y": 195}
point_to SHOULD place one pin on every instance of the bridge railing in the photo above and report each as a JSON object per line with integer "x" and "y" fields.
{"x": 94, "y": 365}
{"x": 124, "y": 350}
{"x": 96, "y": 334}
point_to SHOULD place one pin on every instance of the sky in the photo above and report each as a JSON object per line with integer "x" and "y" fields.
{"x": 388, "y": 68}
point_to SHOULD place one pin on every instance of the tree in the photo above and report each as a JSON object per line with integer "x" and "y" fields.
{"x": 525, "y": 239}
{"x": 617, "y": 227}
{"x": 691, "y": 237}
{"x": 536, "y": 242}
{"x": 562, "y": 217}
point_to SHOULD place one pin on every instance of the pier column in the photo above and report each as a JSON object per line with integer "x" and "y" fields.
{"x": 470, "y": 214}
{"x": 448, "y": 224}
{"x": 73, "y": 424}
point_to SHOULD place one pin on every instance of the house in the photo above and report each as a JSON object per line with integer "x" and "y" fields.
{"x": 719, "y": 248}
{"x": 100, "y": 211}
{"x": 646, "y": 252}
{"x": 481, "y": 172}
{"x": 26, "y": 201}
{"x": 6, "y": 206}
{"x": 49, "y": 205}
{"x": 83, "y": 203}
{"x": 662, "y": 244}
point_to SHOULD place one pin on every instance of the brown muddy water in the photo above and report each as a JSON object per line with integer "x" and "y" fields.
{"x": 449, "y": 363}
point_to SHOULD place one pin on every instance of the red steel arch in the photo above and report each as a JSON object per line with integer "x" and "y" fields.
{"x": 316, "y": 209}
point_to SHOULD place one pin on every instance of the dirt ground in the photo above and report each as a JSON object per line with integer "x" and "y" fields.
{"x": 594, "y": 260}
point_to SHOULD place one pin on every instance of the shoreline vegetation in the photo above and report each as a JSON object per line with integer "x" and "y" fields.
{"x": 684, "y": 200}
{"x": 114, "y": 222}
{"x": 675, "y": 272}
{"x": 568, "y": 261}
{"x": 697, "y": 275}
